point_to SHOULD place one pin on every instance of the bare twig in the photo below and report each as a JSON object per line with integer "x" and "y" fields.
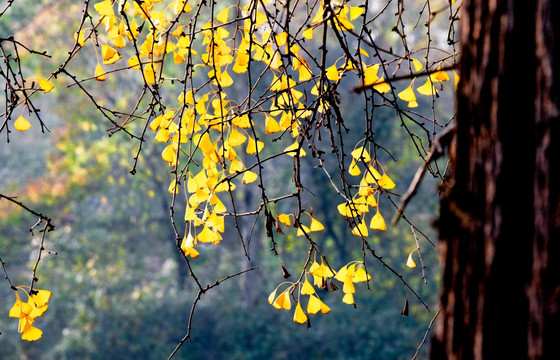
{"x": 440, "y": 143}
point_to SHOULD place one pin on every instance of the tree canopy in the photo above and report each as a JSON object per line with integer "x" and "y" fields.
{"x": 310, "y": 124}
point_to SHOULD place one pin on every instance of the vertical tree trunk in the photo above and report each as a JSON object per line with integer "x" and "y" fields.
{"x": 500, "y": 214}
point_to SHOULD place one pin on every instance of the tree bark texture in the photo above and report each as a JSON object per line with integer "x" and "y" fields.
{"x": 500, "y": 214}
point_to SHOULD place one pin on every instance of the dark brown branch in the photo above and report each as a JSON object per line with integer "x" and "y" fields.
{"x": 441, "y": 142}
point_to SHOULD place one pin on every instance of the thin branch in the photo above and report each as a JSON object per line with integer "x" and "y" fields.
{"x": 441, "y": 142}
{"x": 199, "y": 294}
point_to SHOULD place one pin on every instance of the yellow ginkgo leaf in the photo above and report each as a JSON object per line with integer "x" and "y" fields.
{"x": 36, "y": 311}
{"x": 31, "y": 333}
{"x": 332, "y": 73}
{"x": 324, "y": 308}
{"x": 209, "y": 236}
{"x": 21, "y": 124}
{"x": 318, "y": 17}
{"x": 347, "y": 210}
{"x": 308, "y": 33}
{"x": 281, "y": 38}
{"x": 341, "y": 274}
{"x": 110, "y": 55}
{"x": 314, "y": 304}
{"x": 187, "y": 246}
{"x": 173, "y": 188}
{"x": 41, "y": 298}
{"x": 254, "y": 146}
{"x": 307, "y": 288}
{"x": 45, "y": 85}
{"x": 302, "y": 230}
{"x": 104, "y": 8}
{"x": 294, "y": 150}
{"x": 192, "y": 183}
{"x": 354, "y": 170}
{"x": 299, "y": 315}
{"x": 236, "y": 138}
{"x": 272, "y": 296}
{"x": 249, "y": 177}
{"x": 360, "y": 229}
{"x": 304, "y": 71}
{"x": 370, "y": 74}
{"x": 348, "y": 298}
{"x": 223, "y": 16}
{"x": 363, "y": 52}
{"x": 150, "y": 74}
{"x": 162, "y": 135}
{"x": 327, "y": 272}
{"x": 371, "y": 201}
{"x": 283, "y": 301}
{"x": 355, "y": 12}
{"x": 205, "y": 144}
{"x": 361, "y": 204}
{"x": 99, "y": 73}
{"x": 439, "y": 76}
{"x": 360, "y": 275}
{"x": 219, "y": 206}
{"x": 372, "y": 175}
{"x": 271, "y": 125}
{"x": 348, "y": 287}
{"x": 382, "y": 86}
{"x": 134, "y": 63}
{"x": 225, "y": 79}
{"x": 361, "y": 154}
{"x": 316, "y": 225}
{"x": 410, "y": 261}
{"x": 417, "y": 65}
{"x": 385, "y": 182}
{"x": 154, "y": 125}
{"x": 15, "y": 310}
{"x": 342, "y": 21}
{"x": 25, "y": 310}
{"x": 314, "y": 267}
{"x": 119, "y": 42}
{"x": 284, "y": 219}
{"x": 377, "y": 222}
{"x": 427, "y": 88}
{"x": 242, "y": 121}
{"x": 79, "y": 38}
{"x": 168, "y": 154}
{"x": 407, "y": 94}
{"x": 456, "y": 79}
{"x": 318, "y": 270}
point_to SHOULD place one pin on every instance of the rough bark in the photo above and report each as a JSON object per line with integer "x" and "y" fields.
{"x": 500, "y": 215}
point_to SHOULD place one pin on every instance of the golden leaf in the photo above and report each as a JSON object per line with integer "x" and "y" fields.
{"x": 360, "y": 229}
{"x": 249, "y": 177}
{"x": 223, "y": 16}
{"x": 407, "y": 94}
{"x": 410, "y": 261}
{"x": 45, "y": 85}
{"x": 314, "y": 304}
{"x": 110, "y": 55}
{"x": 299, "y": 315}
{"x": 307, "y": 288}
{"x": 99, "y": 73}
{"x": 21, "y": 124}
{"x": 377, "y": 222}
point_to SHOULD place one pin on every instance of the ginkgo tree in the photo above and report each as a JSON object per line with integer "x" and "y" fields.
{"x": 186, "y": 58}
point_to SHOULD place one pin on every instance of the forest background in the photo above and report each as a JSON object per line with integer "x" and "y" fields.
{"x": 121, "y": 289}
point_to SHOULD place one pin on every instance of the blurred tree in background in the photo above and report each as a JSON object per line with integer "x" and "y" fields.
{"x": 122, "y": 286}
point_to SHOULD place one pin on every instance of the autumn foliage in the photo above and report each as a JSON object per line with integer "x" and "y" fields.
{"x": 297, "y": 60}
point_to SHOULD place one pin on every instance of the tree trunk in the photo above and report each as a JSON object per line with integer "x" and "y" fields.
{"x": 500, "y": 215}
